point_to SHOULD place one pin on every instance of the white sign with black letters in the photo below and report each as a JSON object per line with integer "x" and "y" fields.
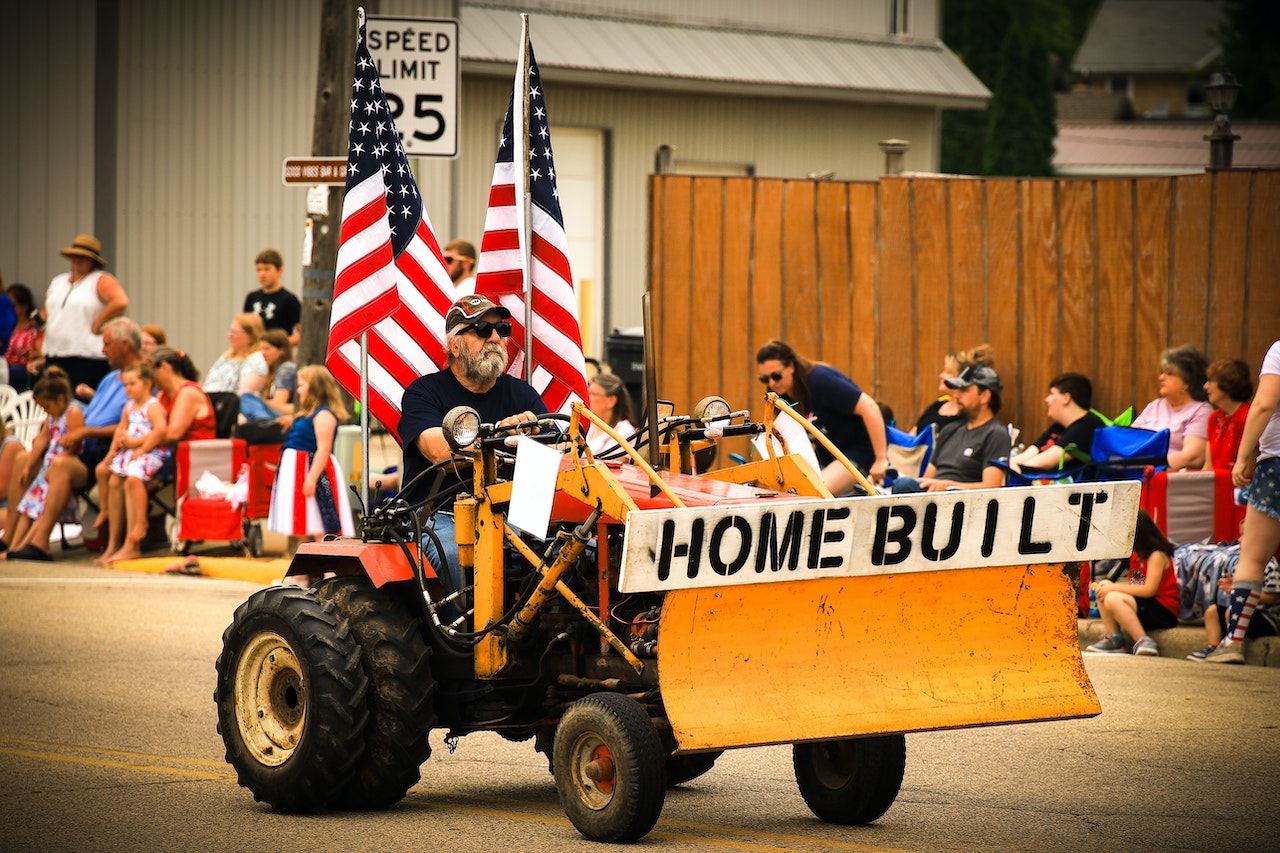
{"x": 417, "y": 61}
{"x": 797, "y": 539}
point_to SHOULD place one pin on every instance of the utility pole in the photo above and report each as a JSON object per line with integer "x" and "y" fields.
{"x": 338, "y": 29}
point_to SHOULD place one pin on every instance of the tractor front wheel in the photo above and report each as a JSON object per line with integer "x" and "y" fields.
{"x": 291, "y": 698}
{"x": 850, "y": 781}
{"x": 610, "y": 768}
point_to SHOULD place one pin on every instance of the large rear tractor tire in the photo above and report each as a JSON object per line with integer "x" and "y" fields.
{"x": 610, "y": 768}
{"x": 850, "y": 781}
{"x": 291, "y": 699}
{"x": 397, "y": 662}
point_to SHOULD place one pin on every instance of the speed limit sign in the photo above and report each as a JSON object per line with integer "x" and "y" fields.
{"x": 417, "y": 61}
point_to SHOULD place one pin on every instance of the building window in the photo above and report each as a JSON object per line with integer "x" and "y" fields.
{"x": 899, "y": 18}
{"x": 1118, "y": 85}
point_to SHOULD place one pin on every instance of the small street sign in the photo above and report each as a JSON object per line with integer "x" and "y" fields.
{"x": 309, "y": 171}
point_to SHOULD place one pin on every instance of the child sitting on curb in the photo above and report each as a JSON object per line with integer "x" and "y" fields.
{"x": 1148, "y": 602}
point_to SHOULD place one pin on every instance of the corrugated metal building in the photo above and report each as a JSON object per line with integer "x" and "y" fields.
{"x": 161, "y": 126}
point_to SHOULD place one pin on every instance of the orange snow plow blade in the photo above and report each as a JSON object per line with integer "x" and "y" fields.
{"x": 840, "y": 657}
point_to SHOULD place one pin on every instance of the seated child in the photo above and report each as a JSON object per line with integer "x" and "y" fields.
{"x": 1148, "y": 601}
{"x": 137, "y": 455}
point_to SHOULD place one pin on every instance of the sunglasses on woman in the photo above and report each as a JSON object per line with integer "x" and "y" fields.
{"x": 775, "y": 377}
{"x": 484, "y": 328}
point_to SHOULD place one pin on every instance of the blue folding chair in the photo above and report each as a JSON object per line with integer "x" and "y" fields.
{"x": 909, "y": 454}
{"x": 1127, "y": 453}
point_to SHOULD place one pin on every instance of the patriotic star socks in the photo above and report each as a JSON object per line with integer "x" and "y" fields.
{"x": 1244, "y": 598}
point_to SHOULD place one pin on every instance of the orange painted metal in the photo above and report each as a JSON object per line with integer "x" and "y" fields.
{"x": 383, "y": 563}
{"x": 824, "y": 659}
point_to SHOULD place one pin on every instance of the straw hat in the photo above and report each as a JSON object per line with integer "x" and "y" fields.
{"x": 86, "y": 246}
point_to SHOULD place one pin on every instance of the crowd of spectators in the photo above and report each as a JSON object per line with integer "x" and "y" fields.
{"x": 93, "y": 371}
{"x": 118, "y": 398}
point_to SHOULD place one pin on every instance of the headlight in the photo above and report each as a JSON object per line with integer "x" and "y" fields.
{"x": 461, "y": 427}
{"x": 711, "y": 409}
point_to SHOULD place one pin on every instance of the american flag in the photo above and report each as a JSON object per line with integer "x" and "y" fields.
{"x": 559, "y": 370}
{"x": 391, "y": 280}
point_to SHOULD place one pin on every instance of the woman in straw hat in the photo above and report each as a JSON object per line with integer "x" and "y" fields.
{"x": 76, "y": 307}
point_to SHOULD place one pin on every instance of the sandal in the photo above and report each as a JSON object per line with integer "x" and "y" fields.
{"x": 188, "y": 566}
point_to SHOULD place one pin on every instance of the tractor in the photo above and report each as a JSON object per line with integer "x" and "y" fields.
{"x": 656, "y": 616}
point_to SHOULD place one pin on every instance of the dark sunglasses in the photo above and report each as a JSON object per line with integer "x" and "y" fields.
{"x": 484, "y": 329}
{"x": 764, "y": 380}
{"x": 448, "y": 259}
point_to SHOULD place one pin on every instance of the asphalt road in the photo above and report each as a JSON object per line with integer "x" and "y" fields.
{"x": 107, "y": 742}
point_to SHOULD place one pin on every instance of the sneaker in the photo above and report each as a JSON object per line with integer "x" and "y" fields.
{"x": 1226, "y": 653}
{"x": 1110, "y": 644}
{"x": 1202, "y": 654}
{"x": 1146, "y": 646}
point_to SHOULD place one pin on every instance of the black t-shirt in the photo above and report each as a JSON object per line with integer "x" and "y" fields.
{"x": 429, "y": 398}
{"x": 832, "y": 400}
{"x": 1079, "y": 432}
{"x": 278, "y": 309}
{"x": 933, "y": 415}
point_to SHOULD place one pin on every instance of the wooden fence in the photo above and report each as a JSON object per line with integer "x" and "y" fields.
{"x": 883, "y": 279}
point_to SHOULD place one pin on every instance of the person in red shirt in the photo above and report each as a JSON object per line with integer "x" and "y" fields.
{"x": 1148, "y": 601}
{"x": 1230, "y": 388}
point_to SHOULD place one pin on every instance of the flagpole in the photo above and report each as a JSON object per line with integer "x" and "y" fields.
{"x": 364, "y": 423}
{"x": 520, "y": 130}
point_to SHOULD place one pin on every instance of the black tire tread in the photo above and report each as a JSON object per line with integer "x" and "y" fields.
{"x": 638, "y": 751}
{"x": 397, "y": 662}
{"x": 333, "y": 740}
{"x": 877, "y": 779}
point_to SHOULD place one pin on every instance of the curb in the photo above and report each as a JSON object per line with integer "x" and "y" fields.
{"x": 1183, "y": 640}
{"x": 261, "y": 572}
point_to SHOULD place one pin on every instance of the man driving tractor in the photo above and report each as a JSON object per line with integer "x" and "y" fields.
{"x": 476, "y": 333}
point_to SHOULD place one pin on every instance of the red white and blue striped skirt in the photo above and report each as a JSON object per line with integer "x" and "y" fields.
{"x": 295, "y": 514}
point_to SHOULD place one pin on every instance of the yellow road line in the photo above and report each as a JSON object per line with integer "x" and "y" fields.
{"x": 121, "y": 765}
{"x": 109, "y": 751}
{"x": 701, "y": 834}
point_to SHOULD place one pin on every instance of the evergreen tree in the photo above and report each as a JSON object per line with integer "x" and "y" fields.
{"x": 1249, "y": 36}
{"x": 974, "y": 30}
{"x": 978, "y": 30}
{"x": 1021, "y": 122}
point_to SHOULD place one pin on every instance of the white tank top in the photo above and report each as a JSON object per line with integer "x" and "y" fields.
{"x": 71, "y": 310}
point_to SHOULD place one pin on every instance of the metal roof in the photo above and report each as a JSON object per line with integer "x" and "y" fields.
{"x": 1149, "y": 36}
{"x": 631, "y": 54}
{"x": 1158, "y": 147}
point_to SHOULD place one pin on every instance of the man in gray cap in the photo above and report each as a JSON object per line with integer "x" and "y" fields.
{"x": 967, "y": 449}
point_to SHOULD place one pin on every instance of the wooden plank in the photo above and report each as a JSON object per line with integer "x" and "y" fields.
{"x": 1039, "y": 355}
{"x": 897, "y": 344}
{"x": 1079, "y": 339}
{"x": 737, "y": 348}
{"x": 863, "y": 240}
{"x": 706, "y": 294}
{"x": 835, "y": 285}
{"x": 1189, "y": 289}
{"x": 1226, "y": 288}
{"x": 967, "y": 238}
{"x": 1114, "y": 386}
{"x": 1262, "y": 291}
{"x": 671, "y": 303}
{"x": 1151, "y": 273}
{"x": 800, "y": 324}
{"x": 766, "y": 264}
{"x": 1003, "y": 214}
{"x": 932, "y": 296}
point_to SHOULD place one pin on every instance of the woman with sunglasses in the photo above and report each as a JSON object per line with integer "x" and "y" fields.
{"x": 835, "y": 404}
